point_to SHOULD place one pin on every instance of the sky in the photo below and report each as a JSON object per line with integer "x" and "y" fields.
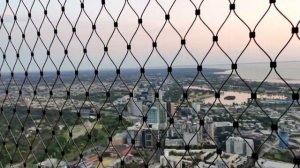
{"x": 273, "y": 32}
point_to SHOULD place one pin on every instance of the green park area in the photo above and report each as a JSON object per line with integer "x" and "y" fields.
{"x": 65, "y": 140}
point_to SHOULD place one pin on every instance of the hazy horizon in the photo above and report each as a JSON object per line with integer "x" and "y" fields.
{"x": 272, "y": 33}
{"x": 208, "y": 66}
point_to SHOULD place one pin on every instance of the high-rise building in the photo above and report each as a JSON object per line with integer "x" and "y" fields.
{"x": 145, "y": 137}
{"x": 157, "y": 117}
{"x": 207, "y": 129}
{"x": 238, "y": 145}
{"x": 171, "y": 108}
{"x": 148, "y": 138}
{"x": 135, "y": 107}
{"x": 153, "y": 115}
{"x": 161, "y": 95}
{"x": 284, "y": 138}
{"x": 220, "y": 131}
{"x": 135, "y": 133}
{"x": 163, "y": 106}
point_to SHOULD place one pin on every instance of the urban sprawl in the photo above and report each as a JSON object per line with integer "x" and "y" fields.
{"x": 158, "y": 120}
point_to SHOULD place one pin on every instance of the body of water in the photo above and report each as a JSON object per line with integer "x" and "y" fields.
{"x": 240, "y": 97}
{"x": 290, "y": 71}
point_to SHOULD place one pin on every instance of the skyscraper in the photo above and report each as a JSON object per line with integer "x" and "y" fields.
{"x": 135, "y": 107}
{"x": 220, "y": 131}
{"x": 238, "y": 145}
{"x": 284, "y": 139}
{"x": 171, "y": 108}
{"x": 157, "y": 117}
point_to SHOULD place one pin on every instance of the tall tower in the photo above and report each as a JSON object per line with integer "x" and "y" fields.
{"x": 157, "y": 117}
{"x": 170, "y": 108}
{"x": 283, "y": 142}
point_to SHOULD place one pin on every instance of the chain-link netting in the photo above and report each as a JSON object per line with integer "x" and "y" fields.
{"x": 149, "y": 83}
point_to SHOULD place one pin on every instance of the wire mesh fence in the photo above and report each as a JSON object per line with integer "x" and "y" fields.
{"x": 175, "y": 83}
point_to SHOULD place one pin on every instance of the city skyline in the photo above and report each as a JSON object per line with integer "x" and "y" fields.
{"x": 149, "y": 83}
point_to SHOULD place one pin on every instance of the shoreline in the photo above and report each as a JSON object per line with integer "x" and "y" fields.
{"x": 268, "y": 80}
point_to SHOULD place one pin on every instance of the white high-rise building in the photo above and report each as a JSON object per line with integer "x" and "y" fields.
{"x": 208, "y": 126}
{"x": 135, "y": 107}
{"x": 161, "y": 95}
{"x": 237, "y": 145}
